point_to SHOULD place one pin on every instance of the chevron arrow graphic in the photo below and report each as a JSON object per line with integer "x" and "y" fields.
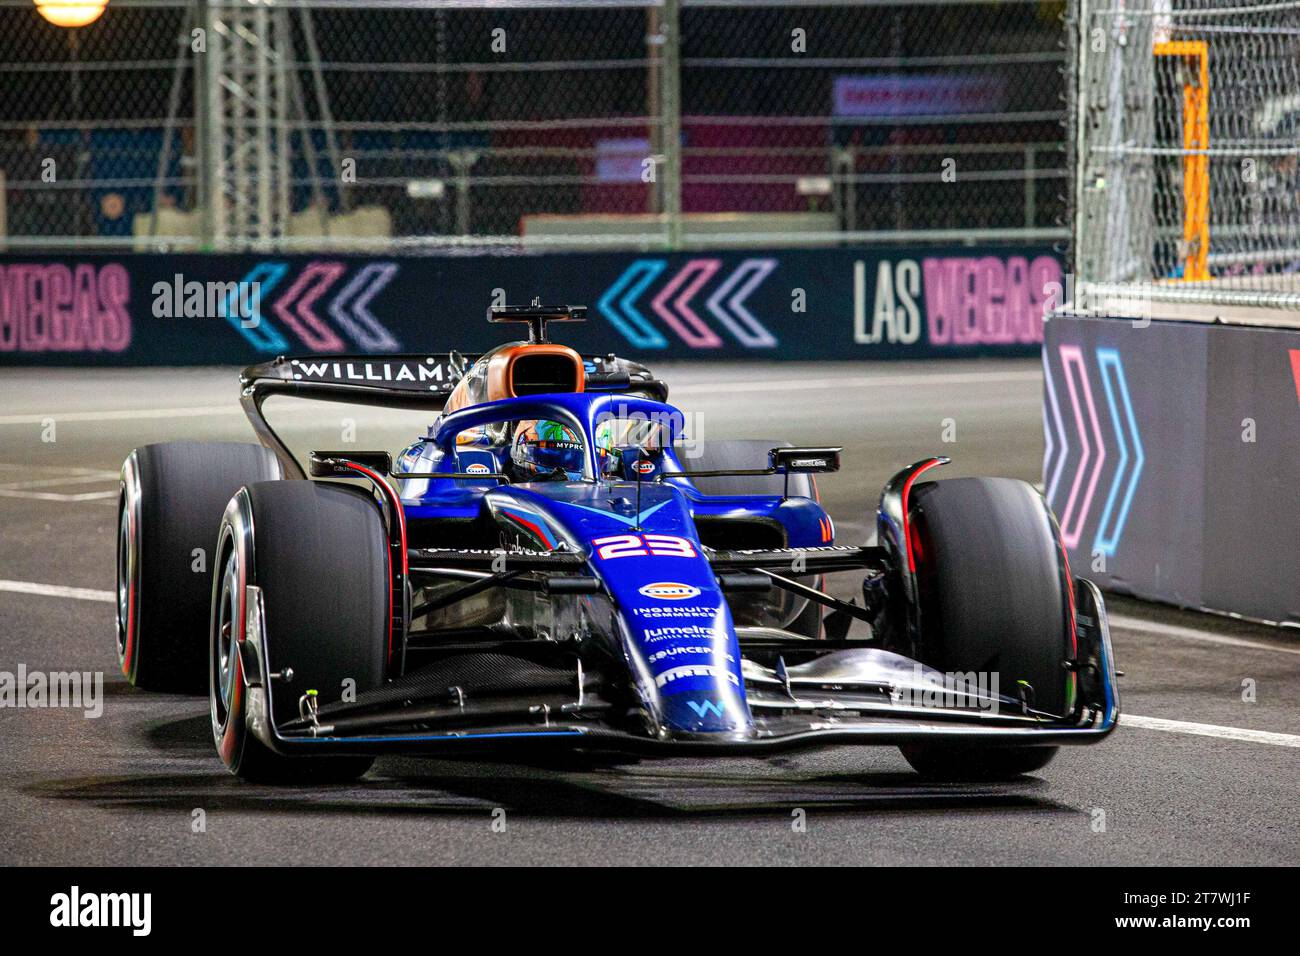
{"x": 260, "y": 332}
{"x": 350, "y": 308}
{"x": 294, "y": 308}
{"x": 688, "y": 326}
{"x": 1108, "y": 360}
{"x": 1060, "y": 444}
{"x": 748, "y": 276}
{"x": 1295, "y": 370}
{"x": 618, "y": 304}
{"x": 1071, "y": 521}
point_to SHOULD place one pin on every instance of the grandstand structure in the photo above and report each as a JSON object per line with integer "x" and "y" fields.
{"x": 422, "y": 124}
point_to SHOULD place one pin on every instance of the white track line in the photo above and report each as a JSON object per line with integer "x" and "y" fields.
{"x": 719, "y": 388}
{"x": 1210, "y": 730}
{"x": 58, "y": 590}
{"x": 58, "y": 496}
{"x": 1192, "y": 634}
{"x": 100, "y": 476}
{"x": 121, "y": 414}
{"x": 863, "y": 381}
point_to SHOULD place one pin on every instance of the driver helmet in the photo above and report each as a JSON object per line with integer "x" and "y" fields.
{"x": 545, "y": 449}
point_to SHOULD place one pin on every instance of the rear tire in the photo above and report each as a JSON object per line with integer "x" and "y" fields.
{"x": 994, "y": 598}
{"x": 319, "y": 553}
{"x": 169, "y": 509}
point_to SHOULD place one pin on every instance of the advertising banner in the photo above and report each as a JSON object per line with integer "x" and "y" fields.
{"x": 879, "y": 303}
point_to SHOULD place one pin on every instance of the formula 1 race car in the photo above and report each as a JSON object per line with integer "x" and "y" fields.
{"x": 550, "y": 566}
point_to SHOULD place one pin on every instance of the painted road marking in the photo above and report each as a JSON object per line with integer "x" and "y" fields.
{"x": 1210, "y": 730}
{"x": 1192, "y": 634}
{"x": 58, "y": 590}
{"x": 122, "y": 414}
{"x": 89, "y": 479}
{"x": 721, "y": 388}
{"x": 874, "y": 381}
{"x": 57, "y": 496}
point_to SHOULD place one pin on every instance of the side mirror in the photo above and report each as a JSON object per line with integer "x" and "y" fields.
{"x": 794, "y": 461}
{"x": 327, "y": 464}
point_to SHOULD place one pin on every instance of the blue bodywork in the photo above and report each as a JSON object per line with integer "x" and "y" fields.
{"x": 675, "y": 625}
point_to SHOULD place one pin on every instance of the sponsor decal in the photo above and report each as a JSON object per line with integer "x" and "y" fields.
{"x": 644, "y": 467}
{"x": 669, "y": 591}
{"x": 670, "y": 652}
{"x": 705, "y": 708}
{"x": 478, "y": 468}
{"x": 430, "y": 370}
{"x": 653, "y": 635}
{"x": 676, "y": 611}
{"x": 695, "y": 670}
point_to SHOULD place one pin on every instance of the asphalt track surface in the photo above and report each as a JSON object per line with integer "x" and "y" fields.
{"x": 123, "y": 788}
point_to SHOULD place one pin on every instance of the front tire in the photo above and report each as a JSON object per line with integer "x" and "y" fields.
{"x": 169, "y": 509}
{"x": 319, "y": 553}
{"x": 995, "y": 598}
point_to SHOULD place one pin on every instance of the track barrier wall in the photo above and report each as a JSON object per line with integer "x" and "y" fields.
{"x": 1171, "y": 460}
{"x": 905, "y": 302}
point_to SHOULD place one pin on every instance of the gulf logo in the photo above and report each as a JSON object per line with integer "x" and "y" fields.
{"x": 478, "y": 468}
{"x": 669, "y": 591}
{"x": 644, "y": 467}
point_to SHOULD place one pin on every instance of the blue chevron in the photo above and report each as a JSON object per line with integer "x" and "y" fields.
{"x": 262, "y": 335}
{"x": 618, "y": 304}
{"x": 1109, "y": 360}
{"x": 630, "y": 522}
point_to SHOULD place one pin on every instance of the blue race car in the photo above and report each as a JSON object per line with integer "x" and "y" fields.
{"x": 552, "y": 565}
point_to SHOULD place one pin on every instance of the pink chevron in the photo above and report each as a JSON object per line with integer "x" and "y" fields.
{"x": 689, "y": 326}
{"x": 302, "y": 295}
{"x": 1071, "y": 355}
{"x": 1295, "y": 370}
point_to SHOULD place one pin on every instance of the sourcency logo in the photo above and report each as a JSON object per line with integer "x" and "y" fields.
{"x": 76, "y": 909}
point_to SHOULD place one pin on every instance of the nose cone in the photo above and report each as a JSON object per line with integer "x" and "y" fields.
{"x": 706, "y": 711}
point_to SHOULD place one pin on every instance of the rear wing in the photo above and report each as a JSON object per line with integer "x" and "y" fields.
{"x": 415, "y": 381}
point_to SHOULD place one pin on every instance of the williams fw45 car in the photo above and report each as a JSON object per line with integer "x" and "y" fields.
{"x": 549, "y": 566}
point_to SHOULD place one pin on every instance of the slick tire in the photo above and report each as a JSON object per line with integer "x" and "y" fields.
{"x": 319, "y": 554}
{"x": 995, "y": 597}
{"x": 170, "y": 504}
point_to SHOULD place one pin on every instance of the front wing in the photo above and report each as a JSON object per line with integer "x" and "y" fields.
{"x": 553, "y": 703}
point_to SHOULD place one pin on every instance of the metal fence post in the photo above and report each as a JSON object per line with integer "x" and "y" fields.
{"x": 670, "y": 106}
{"x": 207, "y": 121}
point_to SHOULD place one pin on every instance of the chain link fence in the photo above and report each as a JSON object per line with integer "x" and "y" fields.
{"x": 1187, "y": 151}
{"x": 365, "y": 124}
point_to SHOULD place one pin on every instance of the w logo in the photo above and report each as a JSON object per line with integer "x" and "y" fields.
{"x": 705, "y": 708}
